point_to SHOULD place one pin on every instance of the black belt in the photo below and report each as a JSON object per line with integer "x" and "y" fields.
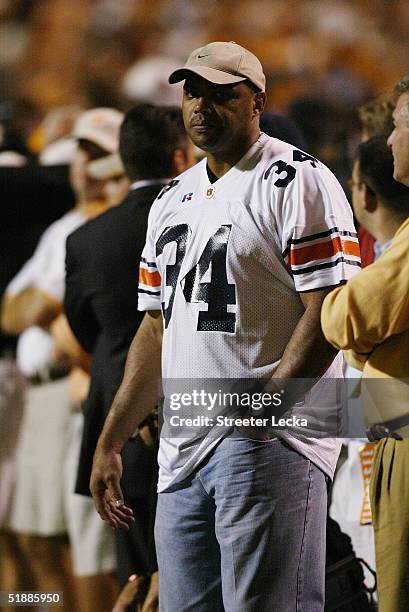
{"x": 49, "y": 374}
{"x": 7, "y": 353}
{"x": 387, "y": 429}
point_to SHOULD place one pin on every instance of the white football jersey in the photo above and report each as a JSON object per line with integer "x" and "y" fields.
{"x": 226, "y": 262}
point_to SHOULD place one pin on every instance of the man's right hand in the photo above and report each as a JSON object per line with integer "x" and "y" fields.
{"x": 134, "y": 400}
{"x": 106, "y": 490}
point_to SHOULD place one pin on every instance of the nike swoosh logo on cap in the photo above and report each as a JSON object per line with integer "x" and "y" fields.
{"x": 200, "y": 56}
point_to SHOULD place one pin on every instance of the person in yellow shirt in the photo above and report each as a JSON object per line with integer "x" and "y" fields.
{"x": 368, "y": 318}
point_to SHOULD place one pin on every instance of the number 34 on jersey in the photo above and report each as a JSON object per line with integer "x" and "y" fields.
{"x": 217, "y": 294}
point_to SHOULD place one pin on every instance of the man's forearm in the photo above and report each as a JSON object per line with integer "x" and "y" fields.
{"x": 136, "y": 397}
{"x": 140, "y": 388}
{"x": 27, "y": 308}
{"x": 66, "y": 346}
{"x": 307, "y": 354}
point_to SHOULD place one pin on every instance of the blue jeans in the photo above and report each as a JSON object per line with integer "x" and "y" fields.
{"x": 245, "y": 533}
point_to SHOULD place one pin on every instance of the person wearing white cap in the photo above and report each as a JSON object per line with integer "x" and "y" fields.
{"x": 240, "y": 252}
{"x": 45, "y": 506}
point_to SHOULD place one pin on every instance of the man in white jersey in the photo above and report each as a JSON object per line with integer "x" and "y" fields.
{"x": 240, "y": 252}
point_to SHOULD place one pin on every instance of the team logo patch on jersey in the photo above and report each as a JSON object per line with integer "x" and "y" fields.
{"x": 210, "y": 192}
{"x": 187, "y": 197}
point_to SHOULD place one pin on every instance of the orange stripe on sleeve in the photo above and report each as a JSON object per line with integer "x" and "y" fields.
{"x": 152, "y": 279}
{"x": 323, "y": 250}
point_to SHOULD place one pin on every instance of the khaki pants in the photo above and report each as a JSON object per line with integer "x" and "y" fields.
{"x": 390, "y": 510}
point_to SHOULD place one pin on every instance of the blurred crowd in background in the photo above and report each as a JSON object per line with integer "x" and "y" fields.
{"x": 320, "y": 64}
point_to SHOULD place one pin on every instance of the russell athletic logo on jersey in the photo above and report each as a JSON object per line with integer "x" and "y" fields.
{"x": 187, "y": 197}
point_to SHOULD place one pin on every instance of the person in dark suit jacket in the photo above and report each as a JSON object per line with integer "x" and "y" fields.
{"x": 101, "y": 305}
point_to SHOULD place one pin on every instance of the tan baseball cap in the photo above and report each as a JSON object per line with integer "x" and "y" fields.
{"x": 223, "y": 63}
{"x": 100, "y": 126}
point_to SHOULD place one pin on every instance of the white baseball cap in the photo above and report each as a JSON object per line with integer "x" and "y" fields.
{"x": 106, "y": 168}
{"x": 147, "y": 81}
{"x": 223, "y": 63}
{"x": 100, "y": 126}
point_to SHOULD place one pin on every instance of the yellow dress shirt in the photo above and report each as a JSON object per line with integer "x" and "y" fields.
{"x": 368, "y": 318}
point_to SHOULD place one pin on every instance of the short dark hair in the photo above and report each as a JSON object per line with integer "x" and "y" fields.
{"x": 148, "y": 138}
{"x": 376, "y": 115}
{"x": 252, "y": 86}
{"x": 402, "y": 86}
{"x": 376, "y": 171}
